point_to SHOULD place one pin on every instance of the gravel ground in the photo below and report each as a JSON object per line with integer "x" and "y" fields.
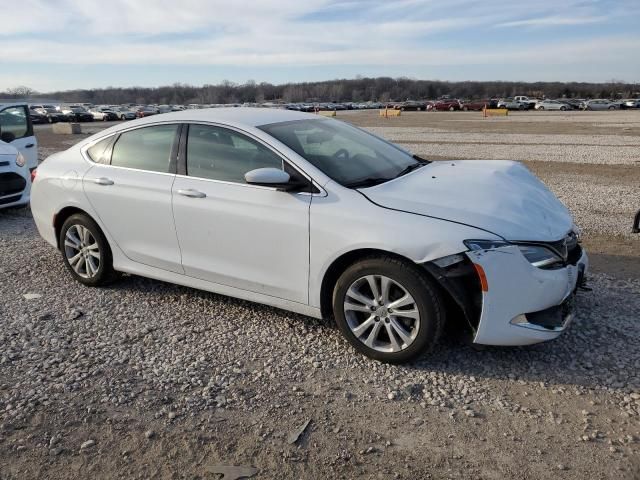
{"x": 149, "y": 380}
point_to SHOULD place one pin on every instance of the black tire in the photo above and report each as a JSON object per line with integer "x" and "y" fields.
{"x": 540, "y": 107}
{"x": 563, "y": 108}
{"x": 465, "y": 108}
{"x": 416, "y": 282}
{"x": 612, "y": 108}
{"x": 105, "y": 273}
{"x": 451, "y": 109}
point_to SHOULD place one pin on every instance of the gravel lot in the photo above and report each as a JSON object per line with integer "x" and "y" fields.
{"x": 149, "y": 380}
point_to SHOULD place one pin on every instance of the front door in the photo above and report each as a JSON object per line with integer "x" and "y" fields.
{"x": 231, "y": 233}
{"x": 16, "y": 129}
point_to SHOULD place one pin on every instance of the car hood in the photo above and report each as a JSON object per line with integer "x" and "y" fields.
{"x": 502, "y": 197}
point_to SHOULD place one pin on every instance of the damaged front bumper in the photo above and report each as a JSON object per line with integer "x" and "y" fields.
{"x": 523, "y": 304}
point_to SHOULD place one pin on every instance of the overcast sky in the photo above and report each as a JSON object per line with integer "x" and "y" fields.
{"x": 64, "y": 44}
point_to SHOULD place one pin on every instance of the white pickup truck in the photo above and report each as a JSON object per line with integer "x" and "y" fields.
{"x": 18, "y": 154}
{"x": 529, "y": 102}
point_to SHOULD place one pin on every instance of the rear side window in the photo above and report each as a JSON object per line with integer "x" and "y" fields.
{"x": 14, "y": 124}
{"x": 100, "y": 151}
{"x": 220, "y": 154}
{"x": 146, "y": 148}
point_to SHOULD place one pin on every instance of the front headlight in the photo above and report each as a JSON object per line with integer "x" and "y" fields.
{"x": 538, "y": 255}
{"x": 20, "y": 161}
{"x": 485, "y": 244}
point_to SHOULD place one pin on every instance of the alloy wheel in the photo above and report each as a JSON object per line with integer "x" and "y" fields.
{"x": 381, "y": 313}
{"x": 82, "y": 251}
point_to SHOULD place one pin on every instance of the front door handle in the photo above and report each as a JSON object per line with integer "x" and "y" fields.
{"x": 103, "y": 181}
{"x": 192, "y": 193}
{"x": 29, "y": 145}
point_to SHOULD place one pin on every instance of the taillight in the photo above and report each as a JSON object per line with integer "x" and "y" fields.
{"x": 33, "y": 174}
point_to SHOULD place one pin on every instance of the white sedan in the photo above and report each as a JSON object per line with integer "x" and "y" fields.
{"x": 551, "y": 105}
{"x": 315, "y": 216}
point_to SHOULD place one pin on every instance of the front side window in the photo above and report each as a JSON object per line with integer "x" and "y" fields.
{"x": 347, "y": 154}
{"x": 218, "y": 153}
{"x": 147, "y": 148}
{"x": 14, "y": 124}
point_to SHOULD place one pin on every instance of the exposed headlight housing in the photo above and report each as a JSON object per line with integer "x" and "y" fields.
{"x": 538, "y": 255}
{"x": 20, "y": 161}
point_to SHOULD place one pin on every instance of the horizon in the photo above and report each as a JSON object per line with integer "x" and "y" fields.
{"x": 86, "y": 45}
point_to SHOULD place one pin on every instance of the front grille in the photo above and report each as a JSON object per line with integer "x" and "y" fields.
{"x": 11, "y": 183}
{"x": 568, "y": 248}
{"x": 6, "y": 200}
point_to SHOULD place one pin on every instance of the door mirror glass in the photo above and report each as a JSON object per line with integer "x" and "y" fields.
{"x": 268, "y": 177}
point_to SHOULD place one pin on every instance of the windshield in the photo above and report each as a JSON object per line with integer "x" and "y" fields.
{"x": 347, "y": 154}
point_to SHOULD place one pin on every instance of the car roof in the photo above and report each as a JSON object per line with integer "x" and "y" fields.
{"x": 239, "y": 117}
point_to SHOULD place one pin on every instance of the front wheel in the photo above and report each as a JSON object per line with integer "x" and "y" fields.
{"x": 541, "y": 108}
{"x": 563, "y": 108}
{"x": 85, "y": 251}
{"x": 388, "y": 309}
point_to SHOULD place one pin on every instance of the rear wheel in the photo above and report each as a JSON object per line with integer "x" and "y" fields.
{"x": 388, "y": 309}
{"x": 85, "y": 251}
{"x": 563, "y": 108}
{"x": 612, "y": 108}
{"x": 540, "y": 107}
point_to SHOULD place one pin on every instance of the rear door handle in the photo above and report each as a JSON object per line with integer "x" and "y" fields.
{"x": 103, "y": 181}
{"x": 192, "y": 193}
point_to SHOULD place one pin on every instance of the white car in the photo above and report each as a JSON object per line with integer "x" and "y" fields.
{"x": 551, "y": 105}
{"x": 599, "y": 105}
{"x": 315, "y": 216}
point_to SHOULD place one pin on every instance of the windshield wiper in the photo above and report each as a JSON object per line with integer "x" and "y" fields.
{"x": 420, "y": 159}
{"x": 367, "y": 182}
{"x": 411, "y": 168}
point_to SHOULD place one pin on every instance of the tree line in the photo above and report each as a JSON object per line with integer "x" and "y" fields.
{"x": 360, "y": 89}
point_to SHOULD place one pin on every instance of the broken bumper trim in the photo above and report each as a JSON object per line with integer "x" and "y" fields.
{"x": 524, "y": 304}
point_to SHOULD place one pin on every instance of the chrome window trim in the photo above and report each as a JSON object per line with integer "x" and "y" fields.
{"x": 85, "y": 155}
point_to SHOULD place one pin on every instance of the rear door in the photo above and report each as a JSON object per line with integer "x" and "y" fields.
{"x": 129, "y": 187}
{"x": 16, "y": 129}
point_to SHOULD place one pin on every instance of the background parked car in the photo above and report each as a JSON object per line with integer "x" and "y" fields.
{"x": 512, "y": 104}
{"x": 413, "y": 106}
{"x": 529, "y": 102}
{"x": 37, "y": 117}
{"x": 630, "y": 103}
{"x": 104, "y": 114}
{"x": 77, "y": 113}
{"x": 600, "y": 104}
{"x": 551, "y": 105}
{"x": 449, "y": 104}
{"x": 475, "y": 104}
{"x": 124, "y": 113}
{"x": 50, "y": 112}
{"x": 146, "y": 112}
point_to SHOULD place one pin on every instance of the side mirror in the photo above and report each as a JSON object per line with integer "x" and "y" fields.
{"x": 272, "y": 177}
